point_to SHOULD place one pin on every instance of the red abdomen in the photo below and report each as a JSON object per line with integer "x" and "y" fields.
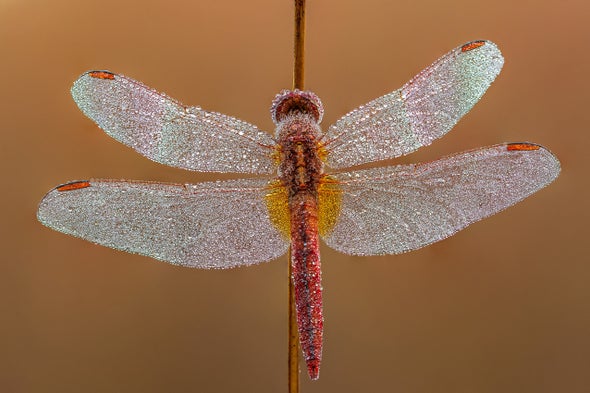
{"x": 305, "y": 262}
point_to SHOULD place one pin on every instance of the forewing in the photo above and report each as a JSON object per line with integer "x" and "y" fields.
{"x": 168, "y": 132}
{"x": 395, "y": 209}
{"x": 423, "y": 110}
{"x": 206, "y": 225}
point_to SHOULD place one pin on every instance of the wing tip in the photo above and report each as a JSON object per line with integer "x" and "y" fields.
{"x": 93, "y": 74}
{"x": 549, "y": 161}
{"x": 493, "y": 53}
{"x": 45, "y": 201}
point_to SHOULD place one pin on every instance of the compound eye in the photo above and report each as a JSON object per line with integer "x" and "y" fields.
{"x": 296, "y": 101}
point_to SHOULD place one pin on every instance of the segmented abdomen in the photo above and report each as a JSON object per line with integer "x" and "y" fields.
{"x": 305, "y": 261}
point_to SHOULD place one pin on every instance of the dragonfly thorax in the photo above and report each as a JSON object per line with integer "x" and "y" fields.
{"x": 300, "y": 162}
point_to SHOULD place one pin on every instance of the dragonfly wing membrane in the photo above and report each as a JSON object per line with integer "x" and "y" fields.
{"x": 395, "y": 209}
{"x": 423, "y": 110}
{"x": 207, "y": 225}
{"x": 168, "y": 132}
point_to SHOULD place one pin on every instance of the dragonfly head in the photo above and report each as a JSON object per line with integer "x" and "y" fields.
{"x": 296, "y": 101}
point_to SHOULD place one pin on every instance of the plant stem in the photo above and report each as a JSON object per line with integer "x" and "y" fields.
{"x": 293, "y": 374}
{"x": 299, "y": 52}
{"x": 298, "y": 83}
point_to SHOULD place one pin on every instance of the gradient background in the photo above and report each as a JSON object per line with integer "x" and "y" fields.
{"x": 501, "y": 307}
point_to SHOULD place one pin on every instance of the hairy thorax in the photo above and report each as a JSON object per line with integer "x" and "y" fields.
{"x": 301, "y": 166}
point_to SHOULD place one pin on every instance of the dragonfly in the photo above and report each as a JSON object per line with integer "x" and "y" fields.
{"x": 305, "y": 191}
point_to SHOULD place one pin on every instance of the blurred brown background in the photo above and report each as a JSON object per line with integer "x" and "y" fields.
{"x": 503, "y": 306}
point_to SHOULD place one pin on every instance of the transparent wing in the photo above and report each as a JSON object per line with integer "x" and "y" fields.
{"x": 423, "y": 110}
{"x": 168, "y": 132}
{"x": 207, "y": 225}
{"x": 395, "y": 209}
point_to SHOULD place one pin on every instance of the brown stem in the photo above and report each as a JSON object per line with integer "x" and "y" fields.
{"x": 298, "y": 68}
{"x": 298, "y": 83}
{"x": 293, "y": 337}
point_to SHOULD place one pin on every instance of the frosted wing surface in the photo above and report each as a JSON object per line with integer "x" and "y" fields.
{"x": 206, "y": 225}
{"x": 395, "y": 209}
{"x": 423, "y": 110}
{"x": 168, "y": 132}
